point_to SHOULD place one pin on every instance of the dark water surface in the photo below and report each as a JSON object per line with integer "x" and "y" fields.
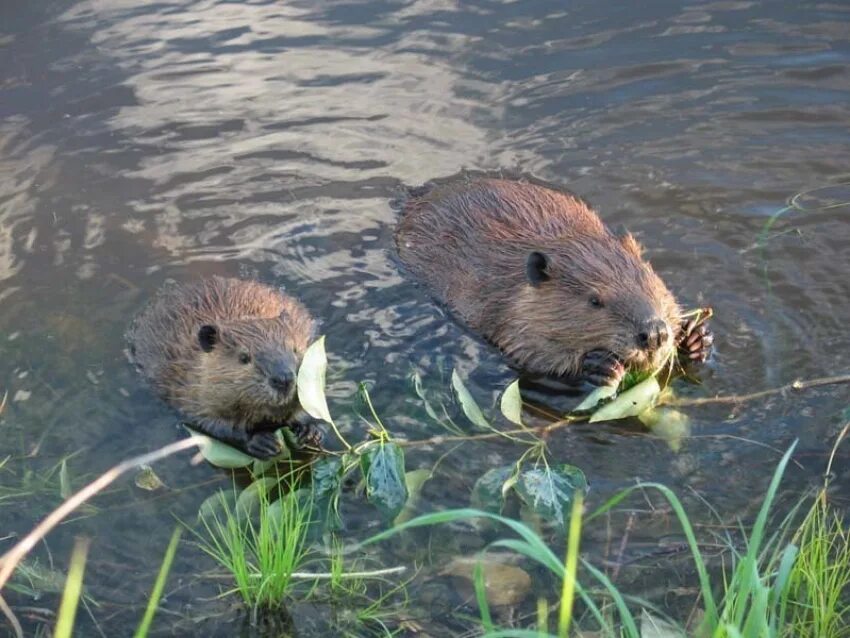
{"x": 141, "y": 141}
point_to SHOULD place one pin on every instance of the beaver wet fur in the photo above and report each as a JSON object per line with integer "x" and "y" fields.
{"x": 536, "y": 272}
{"x": 225, "y": 352}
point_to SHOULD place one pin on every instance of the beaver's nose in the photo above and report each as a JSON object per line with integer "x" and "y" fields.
{"x": 653, "y": 334}
{"x": 282, "y": 380}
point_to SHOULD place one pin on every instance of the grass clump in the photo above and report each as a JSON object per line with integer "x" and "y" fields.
{"x": 261, "y": 546}
{"x": 818, "y": 598}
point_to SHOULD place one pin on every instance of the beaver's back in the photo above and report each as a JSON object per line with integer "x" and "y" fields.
{"x": 468, "y": 241}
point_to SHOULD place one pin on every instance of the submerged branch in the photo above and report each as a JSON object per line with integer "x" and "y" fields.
{"x": 375, "y": 573}
{"x": 11, "y": 558}
{"x": 741, "y": 398}
{"x": 502, "y": 434}
{"x": 570, "y": 419}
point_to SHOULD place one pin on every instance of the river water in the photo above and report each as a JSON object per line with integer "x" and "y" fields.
{"x": 141, "y": 142}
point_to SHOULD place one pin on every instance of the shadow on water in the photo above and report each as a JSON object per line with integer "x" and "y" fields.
{"x": 146, "y": 141}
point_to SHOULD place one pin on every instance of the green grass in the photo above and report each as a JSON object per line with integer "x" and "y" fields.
{"x": 260, "y": 548}
{"x": 818, "y": 599}
{"x": 73, "y": 591}
{"x": 159, "y": 585}
{"x": 789, "y": 579}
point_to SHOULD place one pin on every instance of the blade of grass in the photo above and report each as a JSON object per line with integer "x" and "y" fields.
{"x": 481, "y": 594}
{"x": 570, "y": 568}
{"x": 159, "y": 585}
{"x": 73, "y": 589}
{"x": 711, "y": 613}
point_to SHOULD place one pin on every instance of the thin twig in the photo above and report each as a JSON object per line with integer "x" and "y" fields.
{"x": 442, "y": 438}
{"x": 376, "y": 573}
{"x": 741, "y": 398}
{"x": 622, "y": 549}
{"x": 11, "y": 558}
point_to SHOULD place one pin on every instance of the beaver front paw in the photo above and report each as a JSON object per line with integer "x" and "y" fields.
{"x": 263, "y": 445}
{"x": 308, "y": 434}
{"x": 600, "y": 367}
{"x": 695, "y": 342}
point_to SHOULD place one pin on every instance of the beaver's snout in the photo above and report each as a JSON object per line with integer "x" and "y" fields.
{"x": 653, "y": 335}
{"x": 279, "y": 371}
{"x": 282, "y": 382}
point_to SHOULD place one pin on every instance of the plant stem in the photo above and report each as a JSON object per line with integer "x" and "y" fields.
{"x": 741, "y": 398}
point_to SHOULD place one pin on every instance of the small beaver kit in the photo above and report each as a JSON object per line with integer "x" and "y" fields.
{"x": 225, "y": 353}
{"x": 537, "y": 273}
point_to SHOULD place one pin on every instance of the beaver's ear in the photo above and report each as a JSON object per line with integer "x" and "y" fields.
{"x": 207, "y": 337}
{"x": 537, "y": 268}
{"x": 631, "y": 244}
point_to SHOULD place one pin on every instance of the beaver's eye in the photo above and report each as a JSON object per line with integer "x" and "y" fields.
{"x": 245, "y": 358}
{"x": 596, "y": 302}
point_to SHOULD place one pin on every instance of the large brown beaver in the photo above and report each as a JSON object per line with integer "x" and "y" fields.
{"x": 536, "y": 272}
{"x": 225, "y": 353}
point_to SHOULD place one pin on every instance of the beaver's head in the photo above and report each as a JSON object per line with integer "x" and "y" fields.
{"x": 592, "y": 292}
{"x": 248, "y": 367}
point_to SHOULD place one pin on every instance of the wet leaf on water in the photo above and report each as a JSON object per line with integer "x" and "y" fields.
{"x": 420, "y": 392}
{"x": 468, "y": 404}
{"x": 217, "y": 506}
{"x": 511, "y": 403}
{"x": 505, "y": 584}
{"x": 65, "y": 489}
{"x": 146, "y": 479}
{"x": 248, "y": 501}
{"x": 415, "y": 480}
{"x": 382, "y": 464}
{"x": 668, "y": 424}
{"x": 220, "y": 454}
{"x": 630, "y": 403}
{"x": 488, "y": 494}
{"x": 549, "y": 491}
{"x": 295, "y": 502}
{"x": 326, "y": 473}
{"x": 654, "y": 627}
{"x": 592, "y": 400}
{"x": 311, "y": 381}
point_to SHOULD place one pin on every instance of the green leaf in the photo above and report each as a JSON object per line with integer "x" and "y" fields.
{"x": 414, "y": 480}
{"x": 668, "y": 424}
{"x": 592, "y": 400}
{"x": 65, "y": 489}
{"x": 511, "y": 403}
{"x": 146, "y": 479}
{"x": 549, "y": 491}
{"x": 311, "y": 381}
{"x": 220, "y": 454}
{"x": 467, "y": 403}
{"x": 382, "y": 464}
{"x": 248, "y": 502}
{"x": 420, "y": 392}
{"x": 217, "y": 506}
{"x": 630, "y": 403}
{"x": 326, "y": 473}
{"x": 488, "y": 494}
